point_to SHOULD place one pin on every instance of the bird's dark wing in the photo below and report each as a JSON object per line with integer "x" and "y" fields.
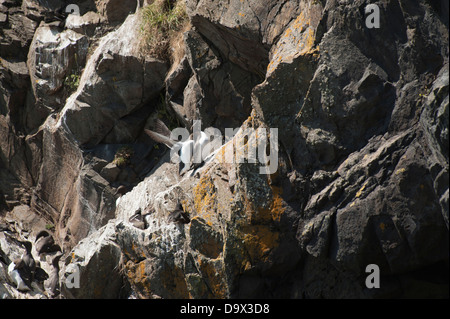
{"x": 56, "y": 259}
{"x": 54, "y": 248}
{"x": 26, "y": 275}
{"x": 161, "y": 128}
{"x": 40, "y": 274}
{"x": 186, "y": 219}
{"x": 160, "y": 138}
{"x": 3, "y": 257}
{"x": 42, "y": 233}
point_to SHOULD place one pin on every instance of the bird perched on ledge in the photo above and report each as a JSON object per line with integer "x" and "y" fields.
{"x": 52, "y": 283}
{"x": 22, "y": 270}
{"x": 179, "y": 216}
{"x": 28, "y": 259}
{"x": 141, "y": 220}
{"x": 138, "y": 220}
{"x": 44, "y": 243}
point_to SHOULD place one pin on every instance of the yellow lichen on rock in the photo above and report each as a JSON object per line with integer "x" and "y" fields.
{"x": 259, "y": 236}
{"x": 137, "y": 276}
{"x": 259, "y": 241}
{"x": 298, "y": 39}
{"x": 276, "y": 207}
{"x": 214, "y": 276}
{"x": 205, "y": 197}
{"x": 359, "y": 193}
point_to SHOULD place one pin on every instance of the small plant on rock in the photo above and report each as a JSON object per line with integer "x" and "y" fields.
{"x": 162, "y": 24}
{"x": 123, "y": 156}
{"x": 72, "y": 81}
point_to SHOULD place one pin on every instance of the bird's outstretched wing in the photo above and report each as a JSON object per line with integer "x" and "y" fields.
{"x": 161, "y": 128}
{"x": 157, "y": 137}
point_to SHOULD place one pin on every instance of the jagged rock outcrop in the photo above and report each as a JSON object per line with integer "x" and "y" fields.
{"x": 362, "y": 149}
{"x": 69, "y": 190}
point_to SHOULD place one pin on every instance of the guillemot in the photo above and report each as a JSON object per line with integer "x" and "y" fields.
{"x": 52, "y": 283}
{"x": 27, "y": 258}
{"x": 179, "y": 215}
{"x": 44, "y": 243}
{"x": 137, "y": 220}
{"x": 20, "y": 274}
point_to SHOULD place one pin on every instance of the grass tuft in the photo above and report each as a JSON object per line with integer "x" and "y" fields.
{"x": 123, "y": 156}
{"x": 163, "y": 22}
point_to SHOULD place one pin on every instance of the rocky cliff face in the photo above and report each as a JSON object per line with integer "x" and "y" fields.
{"x": 362, "y": 150}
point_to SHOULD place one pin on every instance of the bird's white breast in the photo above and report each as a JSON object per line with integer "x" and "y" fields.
{"x": 16, "y": 279}
{"x": 186, "y": 151}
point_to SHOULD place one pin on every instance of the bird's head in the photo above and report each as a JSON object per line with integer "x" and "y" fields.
{"x": 27, "y": 245}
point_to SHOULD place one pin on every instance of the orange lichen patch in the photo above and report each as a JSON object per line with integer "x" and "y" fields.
{"x": 270, "y": 67}
{"x": 214, "y": 276}
{"x": 204, "y": 195}
{"x": 137, "y": 277}
{"x": 136, "y": 272}
{"x": 287, "y": 33}
{"x": 220, "y": 156}
{"x": 259, "y": 241}
{"x": 298, "y": 23}
{"x": 299, "y": 38}
{"x": 276, "y": 207}
{"x": 308, "y": 41}
{"x": 262, "y": 215}
{"x": 259, "y": 237}
{"x": 141, "y": 271}
{"x": 135, "y": 254}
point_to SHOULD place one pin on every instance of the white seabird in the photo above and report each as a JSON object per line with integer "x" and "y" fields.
{"x": 189, "y": 151}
